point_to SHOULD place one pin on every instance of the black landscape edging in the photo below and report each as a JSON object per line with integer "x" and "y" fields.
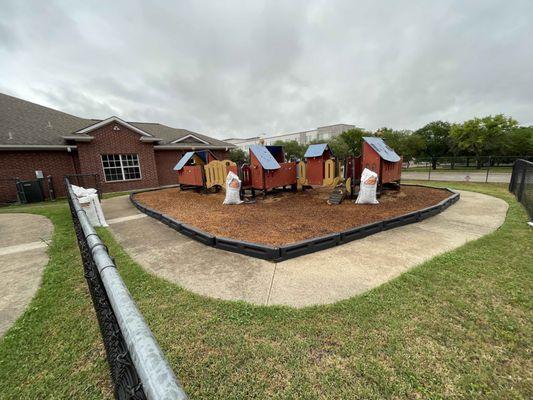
{"x": 297, "y": 249}
{"x": 197, "y": 234}
{"x": 360, "y": 232}
{"x": 308, "y": 246}
{"x": 247, "y": 248}
{"x": 401, "y": 220}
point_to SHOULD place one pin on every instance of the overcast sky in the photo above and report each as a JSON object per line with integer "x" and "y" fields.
{"x": 243, "y": 68}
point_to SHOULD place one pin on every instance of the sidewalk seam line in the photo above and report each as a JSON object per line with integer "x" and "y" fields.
{"x": 271, "y": 284}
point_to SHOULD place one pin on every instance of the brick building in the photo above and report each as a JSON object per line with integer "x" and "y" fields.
{"x": 38, "y": 141}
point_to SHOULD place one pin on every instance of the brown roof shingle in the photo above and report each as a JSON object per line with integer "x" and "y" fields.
{"x": 26, "y": 123}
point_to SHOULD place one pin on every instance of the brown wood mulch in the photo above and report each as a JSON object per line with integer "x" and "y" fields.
{"x": 286, "y": 217}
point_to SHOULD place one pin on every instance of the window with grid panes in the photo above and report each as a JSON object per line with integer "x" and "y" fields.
{"x": 121, "y": 167}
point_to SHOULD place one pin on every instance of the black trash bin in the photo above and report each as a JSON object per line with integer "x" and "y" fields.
{"x": 33, "y": 191}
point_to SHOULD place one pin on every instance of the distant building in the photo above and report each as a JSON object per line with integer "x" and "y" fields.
{"x": 244, "y": 144}
{"x": 322, "y": 133}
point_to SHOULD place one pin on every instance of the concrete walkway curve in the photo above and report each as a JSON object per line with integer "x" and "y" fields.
{"x": 24, "y": 240}
{"x": 318, "y": 278}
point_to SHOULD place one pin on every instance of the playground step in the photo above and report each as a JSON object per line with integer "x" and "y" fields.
{"x": 337, "y": 196}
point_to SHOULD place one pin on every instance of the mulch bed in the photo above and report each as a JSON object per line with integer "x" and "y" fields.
{"x": 284, "y": 218}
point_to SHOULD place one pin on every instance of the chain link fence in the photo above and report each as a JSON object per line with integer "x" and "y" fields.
{"x": 462, "y": 169}
{"x": 86, "y": 181}
{"x": 521, "y": 184}
{"x": 9, "y": 191}
{"x": 138, "y": 368}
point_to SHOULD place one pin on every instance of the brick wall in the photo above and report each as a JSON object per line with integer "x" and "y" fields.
{"x": 165, "y": 161}
{"x": 124, "y": 141}
{"x": 8, "y": 191}
{"x": 23, "y": 164}
{"x": 221, "y": 154}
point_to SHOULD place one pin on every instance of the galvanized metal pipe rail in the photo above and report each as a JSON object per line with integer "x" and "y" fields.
{"x": 157, "y": 378}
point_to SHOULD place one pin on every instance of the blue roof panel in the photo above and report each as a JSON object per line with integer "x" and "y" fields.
{"x": 203, "y": 155}
{"x": 316, "y": 150}
{"x": 264, "y": 157}
{"x": 384, "y": 151}
{"x": 183, "y": 160}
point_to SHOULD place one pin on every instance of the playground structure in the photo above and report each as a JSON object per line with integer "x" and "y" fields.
{"x": 268, "y": 170}
{"x": 378, "y": 157}
{"x": 217, "y": 171}
{"x": 201, "y": 169}
{"x": 319, "y": 167}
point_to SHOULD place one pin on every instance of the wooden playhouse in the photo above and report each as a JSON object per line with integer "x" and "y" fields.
{"x": 316, "y": 156}
{"x": 377, "y": 156}
{"x": 190, "y": 168}
{"x": 268, "y": 169}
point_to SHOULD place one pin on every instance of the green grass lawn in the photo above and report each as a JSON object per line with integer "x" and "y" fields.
{"x": 457, "y": 326}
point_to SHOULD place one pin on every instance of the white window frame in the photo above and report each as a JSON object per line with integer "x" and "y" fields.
{"x": 122, "y": 166}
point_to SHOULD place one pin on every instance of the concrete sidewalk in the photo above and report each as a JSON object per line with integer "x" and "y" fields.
{"x": 23, "y": 244}
{"x": 318, "y": 278}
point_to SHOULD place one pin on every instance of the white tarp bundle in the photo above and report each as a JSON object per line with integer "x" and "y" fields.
{"x": 233, "y": 189}
{"x": 88, "y": 199}
{"x": 368, "y": 188}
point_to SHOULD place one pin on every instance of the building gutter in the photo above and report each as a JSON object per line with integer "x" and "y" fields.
{"x": 79, "y": 138}
{"x": 5, "y": 147}
{"x": 150, "y": 139}
{"x": 189, "y": 147}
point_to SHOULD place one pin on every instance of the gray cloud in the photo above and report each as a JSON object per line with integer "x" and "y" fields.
{"x": 241, "y": 68}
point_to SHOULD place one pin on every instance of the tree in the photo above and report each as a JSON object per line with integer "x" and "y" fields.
{"x": 412, "y": 146}
{"x": 403, "y": 142}
{"x": 519, "y": 142}
{"x": 353, "y": 139}
{"x": 339, "y": 147}
{"x": 483, "y": 136}
{"x": 436, "y": 136}
{"x": 395, "y": 139}
{"x": 238, "y": 156}
{"x": 293, "y": 150}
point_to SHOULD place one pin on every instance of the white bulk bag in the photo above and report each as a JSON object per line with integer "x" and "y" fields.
{"x": 233, "y": 189}
{"x": 81, "y": 192}
{"x": 368, "y": 188}
{"x": 89, "y": 202}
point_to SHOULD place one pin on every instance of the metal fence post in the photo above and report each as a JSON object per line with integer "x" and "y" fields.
{"x": 488, "y": 169}
{"x": 513, "y": 178}
{"x": 522, "y": 185}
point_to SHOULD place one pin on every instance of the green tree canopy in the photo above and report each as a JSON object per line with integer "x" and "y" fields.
{"x": 404, "y": 142}
{"x": 436, "y": 137}
{"x": 484, "y": 136}
{"x": 293, "y": 150}
{"x": 238, "y": 156}
{"x": 339, "y": 147}
{"x": 519, "y": 142}
{"x": 353, "y": 139}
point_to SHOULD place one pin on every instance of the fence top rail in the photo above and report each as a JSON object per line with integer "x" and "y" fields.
{"x": 158, "y": 379}
{"x": 521, "y": 160}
